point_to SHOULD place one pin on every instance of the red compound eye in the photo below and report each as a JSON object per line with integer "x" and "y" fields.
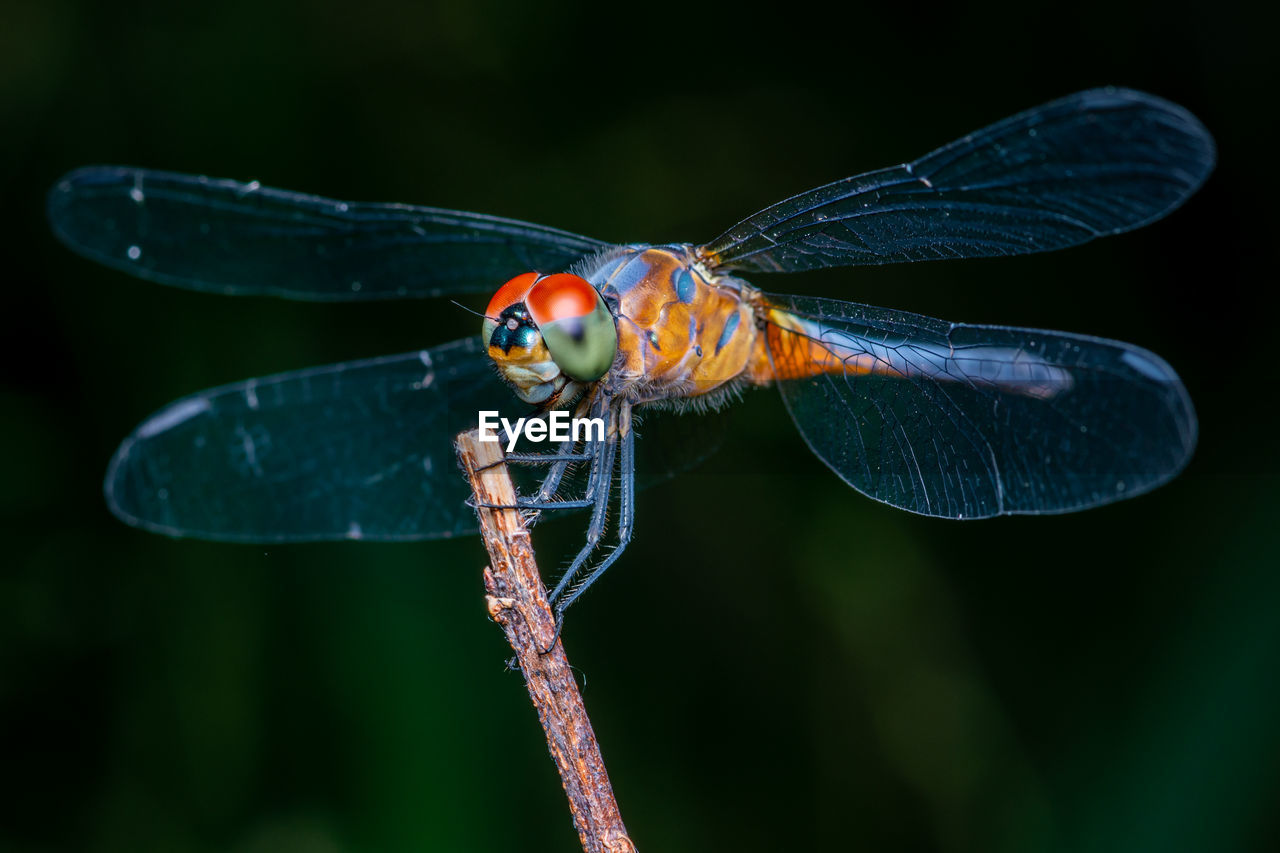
{"x": 510, "y": 293}
{"x": 560, "y": 297}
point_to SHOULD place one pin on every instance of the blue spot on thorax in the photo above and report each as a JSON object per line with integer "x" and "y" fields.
{"x": 685, "y": 286}
{"x": 730, "y": 326}
{"x": 627, "y": 276}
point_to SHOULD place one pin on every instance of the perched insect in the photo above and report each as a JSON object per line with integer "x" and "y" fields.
{"x": 942, "y": 419}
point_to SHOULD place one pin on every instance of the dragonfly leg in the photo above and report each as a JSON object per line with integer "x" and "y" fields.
{"x": 560, "y": 460}
{"x": 545, "y": 498}
{"x": 551, "y": 483}
{"x": 626, "y": 519}
{"x": 600, "y": 489}
{"x": 561, "y": 599}
{"x": 535, "y": 505}
{"x": 505, "y": 439}
{"x": 543, "y": 458}
{"x": 563, "y": 455}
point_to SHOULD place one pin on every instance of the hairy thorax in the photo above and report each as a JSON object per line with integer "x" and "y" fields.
{"x": 683, "y": 334}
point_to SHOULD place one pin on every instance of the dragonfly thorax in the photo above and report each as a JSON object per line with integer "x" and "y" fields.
{"x": 684, "y": 333}
{"x": 545, "y": 332}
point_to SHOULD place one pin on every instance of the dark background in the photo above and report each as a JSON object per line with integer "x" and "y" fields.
{"x": 777, "y": 663}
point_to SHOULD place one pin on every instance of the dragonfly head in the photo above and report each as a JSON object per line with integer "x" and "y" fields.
{"x": 544, "y": 331}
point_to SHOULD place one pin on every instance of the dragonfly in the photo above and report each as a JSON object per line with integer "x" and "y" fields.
{"x": 938, "y": 418}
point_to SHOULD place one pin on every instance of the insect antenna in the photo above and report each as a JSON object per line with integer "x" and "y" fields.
{"x": 474, "y": 311}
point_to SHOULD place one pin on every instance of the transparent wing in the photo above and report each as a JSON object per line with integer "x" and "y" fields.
{"x": 967, "y": 421}
{"x": 1094, "y": 163}
{"x": 229, "y": 237}
{"x": 670, "y": 442}
{"x": 361, "y": 450}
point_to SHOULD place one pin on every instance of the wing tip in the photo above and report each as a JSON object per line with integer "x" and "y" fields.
{"x": 68, "y": 206}
{"x": 1178, "y": 116}
{"x": 85, "y": 177}
{"x": 115, "y": 485}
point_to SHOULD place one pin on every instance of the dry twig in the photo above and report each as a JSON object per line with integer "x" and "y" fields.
{"x": 518, "y": 602}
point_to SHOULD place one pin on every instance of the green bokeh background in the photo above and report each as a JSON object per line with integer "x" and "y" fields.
{"x": 777, "y": 663}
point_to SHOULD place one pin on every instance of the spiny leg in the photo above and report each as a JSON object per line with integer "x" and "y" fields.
{"x": 602, "y": 473}
{"x": 626, "y": 513}
{"x": 505, "y": 438}
{"x": 591, "y": 451}
{"x": 594, "y": 531}
{"x": 595, "y": 408}
{"x": 539, "y": 503}
{"x": 560, "y": 461}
